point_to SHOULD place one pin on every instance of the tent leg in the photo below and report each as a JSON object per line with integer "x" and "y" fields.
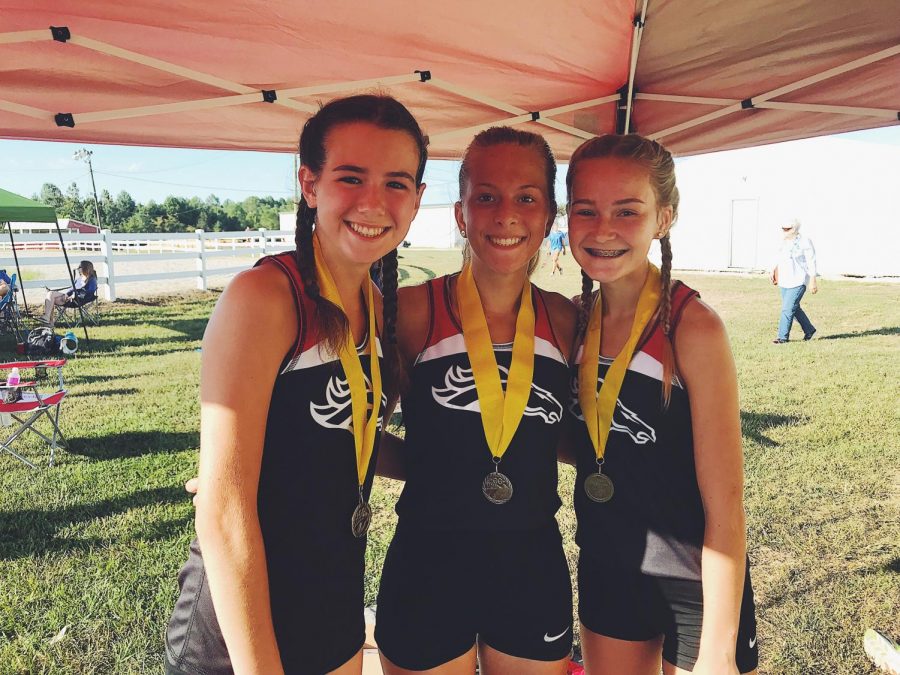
{"x": 18, "y": 271}
{"x": 72, "y": 278}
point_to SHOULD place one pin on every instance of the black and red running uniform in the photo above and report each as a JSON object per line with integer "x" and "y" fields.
{"x": 307, "y": 493}
{"x": 639, "y": 569}
{"x": 459, "y": 566}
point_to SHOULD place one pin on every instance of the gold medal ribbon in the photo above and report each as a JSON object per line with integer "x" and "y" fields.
{"x": 364, "y": 430}
{"x": 500, "y": 413}
{"x": 598, "y": 408}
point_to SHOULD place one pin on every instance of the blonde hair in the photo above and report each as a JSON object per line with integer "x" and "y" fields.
{"x": 660, "y": 168}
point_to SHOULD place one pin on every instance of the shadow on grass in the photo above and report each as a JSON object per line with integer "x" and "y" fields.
{"x": 887, "y": 330}
{"x": 429, "y": 274}
{"x": 134, "y": 444}
{"x": 892, "y": 566}
{"x": 109, "y": 346}
{"x": 124, "y": 391}
{"x": 192, "y": 329}
{"x": 31, "y": 532}
{"x": 754, "y": 424}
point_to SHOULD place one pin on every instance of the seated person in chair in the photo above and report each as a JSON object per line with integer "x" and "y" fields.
{"x": 85, "y": 290}
{"x": 5, "y": 283}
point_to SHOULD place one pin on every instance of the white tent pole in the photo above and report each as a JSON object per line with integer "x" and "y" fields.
{"x": 635, "y": 50}
{"x": 23, "y": 36}
{"x": 165, "y": 66}
{"x": 813, "y": 79}
{"x": 37, "y": 113}
{"x": 468, "y": 131}
{"x": 563, "y": 109}
{"x": 349, "y": 86}
{"x": 506, "y": 107}
{"x": 673, "y": 98}
{"x": 165, "y": 108}
{"x": 837, "y": 109}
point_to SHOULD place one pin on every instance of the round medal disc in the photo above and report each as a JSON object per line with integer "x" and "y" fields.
{"x": 359, "y": 522}
{"x": 497, "y": 488}
{"x": 599, "y": 487}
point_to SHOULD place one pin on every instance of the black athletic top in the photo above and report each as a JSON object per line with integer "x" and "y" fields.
{"x": 654, "y": 523}
{"x": 308, "y": 491}
{"x": 446, "y": 453}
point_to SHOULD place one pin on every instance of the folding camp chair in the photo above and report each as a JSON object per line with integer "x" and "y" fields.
{"x": 10, "y": 317}
{"x": 23, "y": 405}
{"x": 68, "y": 315}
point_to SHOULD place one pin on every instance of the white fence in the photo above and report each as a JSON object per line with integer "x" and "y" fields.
{"x": 107, "y": 247}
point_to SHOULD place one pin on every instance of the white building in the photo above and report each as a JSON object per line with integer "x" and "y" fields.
{"x": 733, "y": 204}
{"x": 842, "y": 191}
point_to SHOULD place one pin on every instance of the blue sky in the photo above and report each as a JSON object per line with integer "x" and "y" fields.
{"x": 154, "y": 173}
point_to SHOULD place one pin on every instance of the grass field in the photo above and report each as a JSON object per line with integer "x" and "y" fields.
{"x": 94, "y": 544}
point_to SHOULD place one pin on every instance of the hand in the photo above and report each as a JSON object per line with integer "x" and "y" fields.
{"x": 813, "y": 287}
{"x": 774, "y": 278}
{"x": 716, "y": 666}
{"x": 193, "y": 487}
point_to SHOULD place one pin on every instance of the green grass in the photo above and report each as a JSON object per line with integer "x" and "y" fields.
{"x": 95, "y": 543}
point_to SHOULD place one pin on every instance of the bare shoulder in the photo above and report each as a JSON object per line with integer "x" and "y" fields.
{"x": 564, "y": 318}
{"x": 258, "y": 305}
{"x": 413, "y": 318}
{"x": 701, "y": 341}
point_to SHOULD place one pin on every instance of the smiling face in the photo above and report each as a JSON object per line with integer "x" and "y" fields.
{"x": 613, "y": 217}
{"x": 365, "y": 195}
{"x": 504, "y": 209}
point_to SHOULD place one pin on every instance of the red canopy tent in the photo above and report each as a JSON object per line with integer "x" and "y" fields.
{"x": 699, "y": 75}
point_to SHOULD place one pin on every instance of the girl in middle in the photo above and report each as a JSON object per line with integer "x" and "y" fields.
{"x": 476, "y": 569}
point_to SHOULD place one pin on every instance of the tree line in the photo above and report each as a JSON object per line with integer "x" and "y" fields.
{"x": 174, "y": 214}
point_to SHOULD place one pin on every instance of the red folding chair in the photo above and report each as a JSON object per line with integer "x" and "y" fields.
{"x": 30, "y": 405}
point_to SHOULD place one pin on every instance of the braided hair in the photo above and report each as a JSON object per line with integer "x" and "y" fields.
{"x": 384, "y": 112}
{"x": 661, "y": 170}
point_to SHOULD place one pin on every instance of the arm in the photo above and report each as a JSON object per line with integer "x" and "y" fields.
{"x": 564, "y": 320}
{"x": 390, "y": 449}
{"x": 234, "y": 408}
{"x": 705, "y": 362}
{"x": 809, "y": 252}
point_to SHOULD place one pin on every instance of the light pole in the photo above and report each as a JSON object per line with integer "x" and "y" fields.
{"x": 85, "y": 154}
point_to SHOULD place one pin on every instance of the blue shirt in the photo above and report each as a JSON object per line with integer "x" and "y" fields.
{"x": 558, "y": 240}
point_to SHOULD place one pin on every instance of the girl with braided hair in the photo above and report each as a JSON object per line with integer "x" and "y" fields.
{"x": 292, "y": 377}
{"x": 662, "y": 573}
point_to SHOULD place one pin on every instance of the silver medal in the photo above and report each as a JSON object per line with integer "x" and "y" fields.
{"x": 599, "y": 487}
{"x": 359, "y": 522}
{"x": 497, "y": 488}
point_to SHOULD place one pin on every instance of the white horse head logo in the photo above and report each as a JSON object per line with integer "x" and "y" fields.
{"x": 624, "y": 419}
{"x": 337, "y": 411}
{"x": 459, "y": 393}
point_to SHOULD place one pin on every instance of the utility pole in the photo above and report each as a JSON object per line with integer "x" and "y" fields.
{"x": 85, "y": 154}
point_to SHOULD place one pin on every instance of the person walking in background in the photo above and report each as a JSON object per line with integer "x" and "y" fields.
{"x": 85, "y": 287}
{"x": 558, "y": 241}
{"x": 794, "y": 272}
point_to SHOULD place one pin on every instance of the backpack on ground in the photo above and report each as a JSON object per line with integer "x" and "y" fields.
{"x": 41, "y": 342}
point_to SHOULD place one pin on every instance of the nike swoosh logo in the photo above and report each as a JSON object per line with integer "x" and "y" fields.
{"x": 547, "y": 638}
{"x": 753, "y": 642}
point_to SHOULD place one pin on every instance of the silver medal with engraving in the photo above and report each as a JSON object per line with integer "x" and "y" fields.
{"x": 497, "y": 488}
{"x": 362, "y": 516}
{"x": 599, "y": 487}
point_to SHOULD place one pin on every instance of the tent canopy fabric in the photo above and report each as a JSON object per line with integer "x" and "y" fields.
{"x": 698, "y": 75}
{"x": 17, "y": 209}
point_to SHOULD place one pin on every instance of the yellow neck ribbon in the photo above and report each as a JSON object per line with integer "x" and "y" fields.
{"x": 364, "y": 430}
{"x": 500, "y": 413}
{"x": 598, "y": 408}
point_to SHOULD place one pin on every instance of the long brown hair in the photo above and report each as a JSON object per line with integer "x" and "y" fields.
{"x": 660, "y": 168}
{"x": 384, "y": 112}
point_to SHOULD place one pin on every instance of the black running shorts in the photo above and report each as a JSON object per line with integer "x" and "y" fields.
{"x": 442, "y": 591}
{"x": 630, "y": 605}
